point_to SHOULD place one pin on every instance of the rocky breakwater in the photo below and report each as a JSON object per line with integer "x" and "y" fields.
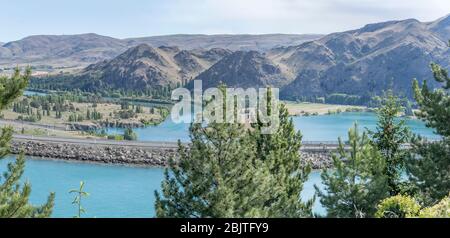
{"x": 317, "y": 159}
{"x": 121, "y": 154}
{"x": 113, "y": 154}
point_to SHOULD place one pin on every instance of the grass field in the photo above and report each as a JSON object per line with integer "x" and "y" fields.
{"x": 303, "y": 108}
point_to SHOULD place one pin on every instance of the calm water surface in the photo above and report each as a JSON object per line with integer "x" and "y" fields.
{"x": 115, "y": 191}
{"x": 33, "y": 93}
{"x": 313, "y": 128}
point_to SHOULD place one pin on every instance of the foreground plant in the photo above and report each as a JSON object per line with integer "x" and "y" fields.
{"x": 389, "y": 137}
{"x": 230, "y": 170}
{"x": 398, "y": 206}
{"x": 357, "y": 182}
{"x": 440, "y": 210}
{"x": 14, "y": 197}
{"x": 402, "y": 206}
{"x": 79, "y": 195}
{"x": 429, "y": 164}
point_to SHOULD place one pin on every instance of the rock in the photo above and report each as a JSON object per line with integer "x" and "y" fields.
{"x": 318, "y": 159}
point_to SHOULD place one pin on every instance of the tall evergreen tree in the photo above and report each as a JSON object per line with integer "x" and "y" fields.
{"x": 14, "y": 198}
{"x": 129, "y": 134}
{"x": 280, "y": 151}
{"x": 429, "y": 164}
{"x": 391, "y": 133}
{"x": 226, "y": 173}
{"x": 218, "y": 176}
{"x": 357, "y": 182}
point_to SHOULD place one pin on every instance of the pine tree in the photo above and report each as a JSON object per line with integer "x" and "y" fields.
{"x": 129, "y": 134}
{"x": 357, "y": 181}
{"x": 14, "y": 198}
{"x": 225, "y": 173}
{"x": 429, "y": 163}
{"x": 218, "y": 176}
{"x": 281, "y": 152}
{"x": 390, "y": 135}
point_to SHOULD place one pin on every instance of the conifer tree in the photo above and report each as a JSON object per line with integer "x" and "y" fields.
{"x": 226, "y": 173}
{"x": 357, "y": 181}
{"x": 218, "y": 176}
{"x": 280, "y": 151}
{"x": 14, "y": 198}
{"x": 389, "y": 137}
{"x": 129, "y": 134}
{"x": 429, "y": 163}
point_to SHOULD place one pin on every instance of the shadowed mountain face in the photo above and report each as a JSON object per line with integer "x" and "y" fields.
{"x": 362, "y": 62}
{"x": 365, "y": 61}
{"x": 244, "y": 69}
{"x": 143, "y": 66}
{"x": 78, "y": 51}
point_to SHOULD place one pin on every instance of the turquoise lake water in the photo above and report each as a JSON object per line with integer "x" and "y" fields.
{"x": 118, "y": 191}
{"x": 33, "y": 93}
{"x": 115, "y": 191}
{"x": 313, "y": 128}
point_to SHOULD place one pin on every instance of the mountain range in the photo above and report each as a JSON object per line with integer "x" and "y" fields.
{"x": 367, "y": 60}
{"x": 143, "y": 66}
{"x": 73, "y": 52}
{"x": 362, "y": 62}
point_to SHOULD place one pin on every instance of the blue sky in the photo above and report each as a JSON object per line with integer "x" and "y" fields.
{"x": 134, "y": 18}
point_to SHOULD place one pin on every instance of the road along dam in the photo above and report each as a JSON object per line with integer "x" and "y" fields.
{"x": 134, "y": 153}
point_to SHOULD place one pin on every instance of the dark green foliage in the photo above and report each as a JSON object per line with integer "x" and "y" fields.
{"x": 93, "y": 85}
{"x": 75, "y": 117}
{"x": 129, "y": 134}
{"x": 344, "y": 99}
{"x": 225, "y": 172}
{"x": 96, "y": 115}
{"x": 280, "y": 151}
{"x": 218, "y": 176}
{"x": 429, "y": 164}
{"x": 139, "y": 109}
{"x": 124, "y": 105}
{"x": 126, "y": 114}
{"x": 429, "y": 169}
{"x": 12, "y": 87}
{"x": 14, "y": 198}
{"x": 357, "y": 182}
{"x": 389, "y": 137}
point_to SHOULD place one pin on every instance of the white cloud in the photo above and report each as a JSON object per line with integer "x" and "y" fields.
{"x": 134, "y": 18}
{"x": 298, "y": 16}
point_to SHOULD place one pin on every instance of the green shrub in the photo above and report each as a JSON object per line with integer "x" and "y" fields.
{"x": 115, "y": 137}
{"x": 440, "y": 210}
{"x": 129, "y": 134}
{"x": 398, "y": 206}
